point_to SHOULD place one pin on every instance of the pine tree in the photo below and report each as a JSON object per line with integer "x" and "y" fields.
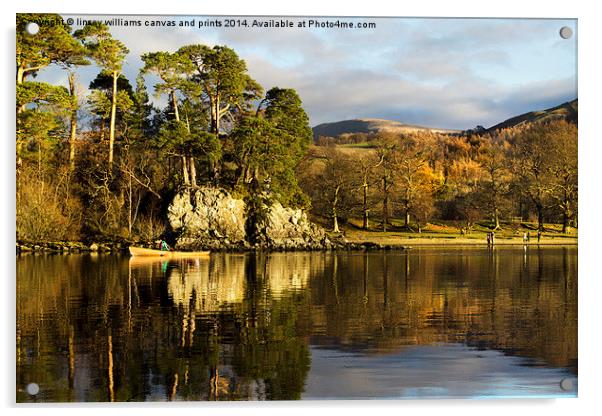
{"x": 109, "y": 54}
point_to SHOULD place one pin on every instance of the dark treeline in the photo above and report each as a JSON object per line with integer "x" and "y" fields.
{"x": 105, "y": 164}
{"x": 523, "y": 173}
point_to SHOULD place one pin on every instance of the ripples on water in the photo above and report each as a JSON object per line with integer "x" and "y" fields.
{"x": 453, "y": 322}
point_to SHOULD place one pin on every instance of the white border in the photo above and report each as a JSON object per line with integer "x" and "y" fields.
{"x": 590, "y": 142}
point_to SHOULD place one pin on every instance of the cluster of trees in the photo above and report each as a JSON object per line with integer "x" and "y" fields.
{"x": 105, "y": 162}
{"x": 527, "y": 172}
{"x": 347, "y": 138}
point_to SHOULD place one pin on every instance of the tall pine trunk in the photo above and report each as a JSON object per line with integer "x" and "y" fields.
{"x": 185, "y": 170}
{"x": 20, "y": 76}
{"x": 184, "y": 159}
{"x": 215, "y": 117}
{"x": 113, "y": 117}
{"x": 192, "y": 171}
{"x": 73, "y": 121}
{"x": 175, "y": 106}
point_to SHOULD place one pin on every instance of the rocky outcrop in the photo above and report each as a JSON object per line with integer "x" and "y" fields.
{"x": 211, "y": 218}
{"x": 288, "y": 228}
{"x": 208, "y": 218}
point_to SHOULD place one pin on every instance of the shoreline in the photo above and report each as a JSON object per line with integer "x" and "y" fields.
{"x": 73, "y": 247}
{"x": 453, "y": 241}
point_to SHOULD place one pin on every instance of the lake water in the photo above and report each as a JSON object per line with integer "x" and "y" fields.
{"x": 428, "y": 323}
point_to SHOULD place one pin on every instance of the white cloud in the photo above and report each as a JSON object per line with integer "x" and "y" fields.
{"x": 437, "y": 72}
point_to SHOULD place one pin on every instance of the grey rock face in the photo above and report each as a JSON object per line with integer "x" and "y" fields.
{"x": 289, "y": 228}
{"x": 211, "y": 218}
{"x": 203, "y": 216}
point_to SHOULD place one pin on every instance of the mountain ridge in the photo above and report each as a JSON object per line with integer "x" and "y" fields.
{"x": 371, "y": 125}
{"x": 567, "y": 110}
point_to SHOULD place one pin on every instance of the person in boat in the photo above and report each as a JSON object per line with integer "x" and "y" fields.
{"x": 164, "y": 246}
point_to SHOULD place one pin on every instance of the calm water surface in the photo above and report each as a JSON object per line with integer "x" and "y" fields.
{"x": 450, "y": 322}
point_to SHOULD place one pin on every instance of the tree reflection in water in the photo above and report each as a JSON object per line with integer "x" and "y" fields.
{"x": 235, "y": 326}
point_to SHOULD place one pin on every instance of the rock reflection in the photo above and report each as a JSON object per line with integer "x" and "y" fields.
{"x": 204, "y": 286}
{"x": 207, "y": 285}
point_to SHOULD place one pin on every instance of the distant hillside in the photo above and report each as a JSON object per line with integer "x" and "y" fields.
{"x": 370, "y": 125}
{"x": 567, "y": 111}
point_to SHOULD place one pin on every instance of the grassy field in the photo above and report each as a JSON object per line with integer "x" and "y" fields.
{"x": 361, "y": 145}
{"x": 447, "y": 234}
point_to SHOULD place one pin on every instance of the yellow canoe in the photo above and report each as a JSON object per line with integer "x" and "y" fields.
{"x": 149, "y": 252}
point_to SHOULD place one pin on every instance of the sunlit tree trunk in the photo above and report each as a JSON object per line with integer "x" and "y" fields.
{"x": 365, "y": 224}
{"x": 113, "y": 117}
{"x": 185, "y": 170}
{"x": 335, "y": 220}
{"x": 216, "y": 115}
{"x": 174, "y": 101}
{"x": 130, "y": 205}
{"x": 192, "y": 171}
{"x": 184, "y": 159}
{"x": 20, "y": 74}
{"x": 496, "y": 217}
{"x": 73, "y": 129}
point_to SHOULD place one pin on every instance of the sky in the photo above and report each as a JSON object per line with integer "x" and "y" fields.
{"x": 445, "y": 73}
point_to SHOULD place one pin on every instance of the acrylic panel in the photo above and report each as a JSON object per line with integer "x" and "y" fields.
{"x": 295, "y": 208}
